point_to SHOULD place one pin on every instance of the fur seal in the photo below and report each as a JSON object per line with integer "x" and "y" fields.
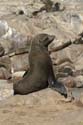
{"x": 40, "y": 74}
{"x": 46, "y": 40}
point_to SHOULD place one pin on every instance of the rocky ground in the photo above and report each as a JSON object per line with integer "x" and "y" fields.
{"x": 45, "y": 107}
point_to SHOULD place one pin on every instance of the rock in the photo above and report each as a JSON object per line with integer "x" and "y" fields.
{"x": 2, "y": 51}
{"x": 5, "y": 62}
{"x": 20, "y": 12}
{"x": 20, "y": 62}
{"x": 6, "y": 89}
{"x": 68, "y": 81}
{"x": 36, "y": 98}
{"x": 4, "y": 94}
{"x": 76, "y": 22}
{"x": 17, "y": 75}
{"x": 7, "y": 45}
{"x": 77, "y": 94}
{"x": 4, "y": 74}
{"x": 79, "y": 81}
{"x": 3, "y": 27}
{"x": 81, "y": 98}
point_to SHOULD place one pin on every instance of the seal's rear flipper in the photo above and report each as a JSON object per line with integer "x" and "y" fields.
{"x": 59, "y": 87}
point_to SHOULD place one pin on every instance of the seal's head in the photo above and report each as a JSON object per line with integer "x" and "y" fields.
{"x": 44, "y": 39}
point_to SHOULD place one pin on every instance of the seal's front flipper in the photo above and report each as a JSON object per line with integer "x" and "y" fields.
{"x": 58, "y": 86}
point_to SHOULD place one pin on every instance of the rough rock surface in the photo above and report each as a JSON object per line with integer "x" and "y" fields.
{"x": 43, "y": 107}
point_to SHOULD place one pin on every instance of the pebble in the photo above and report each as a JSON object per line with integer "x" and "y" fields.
{"x": 6, "y": 89}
